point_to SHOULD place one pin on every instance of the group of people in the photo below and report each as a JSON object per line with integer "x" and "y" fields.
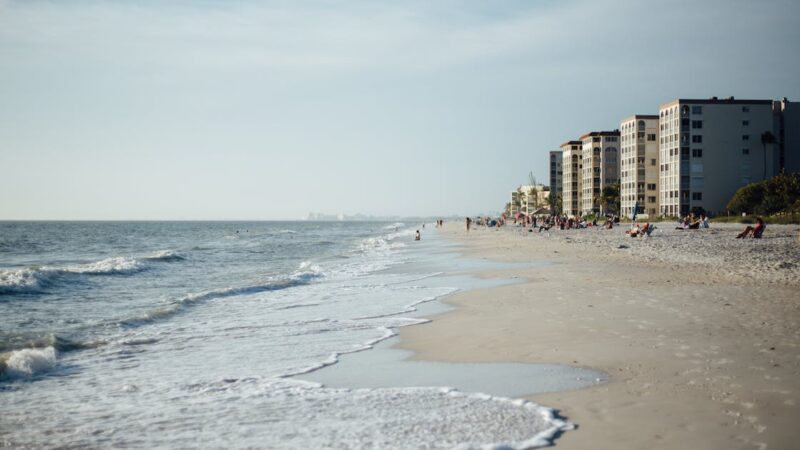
{"x": 563, "y": 222}
{"x": 690, "y": 222}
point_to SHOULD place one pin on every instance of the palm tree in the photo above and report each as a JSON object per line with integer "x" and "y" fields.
{"x": 766, "y": 138}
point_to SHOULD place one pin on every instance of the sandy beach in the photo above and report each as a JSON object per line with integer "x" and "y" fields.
{"x": 698, "y": 331}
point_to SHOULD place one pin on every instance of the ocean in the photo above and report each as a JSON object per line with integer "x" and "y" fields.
{"x": 197, "y": 334}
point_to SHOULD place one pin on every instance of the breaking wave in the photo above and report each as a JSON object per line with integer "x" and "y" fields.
{"x": 27, "y": 362}
{"x": 165, "y": 255}
{"x": 306, "y": 273}
{"x": 35, "y": 279}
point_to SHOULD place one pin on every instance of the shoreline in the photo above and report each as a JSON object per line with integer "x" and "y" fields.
{"x": 695, "y": 352}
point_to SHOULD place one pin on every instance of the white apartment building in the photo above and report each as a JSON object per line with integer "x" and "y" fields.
{"x": 710, "y": 148}
{"x": 639, "y": 165}
{"x": 600, "y": 152}
{"x": 571, "y": 181}
{"x": 556, "y": 174}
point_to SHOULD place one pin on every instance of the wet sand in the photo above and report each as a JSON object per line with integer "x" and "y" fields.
{"x": 701, "y": 351}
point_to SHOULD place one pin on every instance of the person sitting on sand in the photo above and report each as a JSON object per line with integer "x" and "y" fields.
{"x": 703, "y": 221}
{"x": 754, "y": 232}
{"x": 417, "y": 236}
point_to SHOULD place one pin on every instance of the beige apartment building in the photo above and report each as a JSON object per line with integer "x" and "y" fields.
{"x": 639, "y": 165}
{"x": 600, "y": 156}
{"x": 710, "y": 148}
{"x": 571, "y": 180}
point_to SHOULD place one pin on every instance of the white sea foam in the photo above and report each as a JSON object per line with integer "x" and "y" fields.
{"x": 27, "y": 362}
{"x": 108, "y": 266}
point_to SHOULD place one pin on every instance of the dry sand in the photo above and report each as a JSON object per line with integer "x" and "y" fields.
{"x": 702, "y": 349}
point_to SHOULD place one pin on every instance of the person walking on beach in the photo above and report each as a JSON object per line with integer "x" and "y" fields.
{"x": 469, "y": 221}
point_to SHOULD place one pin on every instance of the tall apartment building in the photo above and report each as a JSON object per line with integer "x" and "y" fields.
{"x": 600, "y": 151}
{"x": 556, "y": 174}
{"x": 639, "y": 165}
{"x": 710, "y": 148}
{"x": 571, "y": 181}
{"x": 787, "y": 134}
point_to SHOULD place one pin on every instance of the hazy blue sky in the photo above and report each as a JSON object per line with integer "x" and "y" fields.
{"x": 265, "y": 110}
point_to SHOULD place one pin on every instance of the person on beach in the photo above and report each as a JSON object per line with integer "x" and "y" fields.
{"x": 469, "y": 222}
{"x": 417, "y": 236}
{"x": 754, "y": 232}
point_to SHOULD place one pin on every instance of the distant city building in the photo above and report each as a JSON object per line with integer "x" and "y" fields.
{"x": 639, "y": 165}
{"x": 708, "y": 149}
{"x": 600, "y": 167}
{"x": 556, "y": 174}
{"x": 571, "y": 183}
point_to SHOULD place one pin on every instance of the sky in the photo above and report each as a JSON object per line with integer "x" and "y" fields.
{"x": 251, "y": 110}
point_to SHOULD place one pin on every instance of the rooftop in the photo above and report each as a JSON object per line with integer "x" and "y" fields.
{"x": 716, "y": 101}
{"x": 599, "y": 133}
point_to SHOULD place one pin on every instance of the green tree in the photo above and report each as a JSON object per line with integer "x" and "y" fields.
{"x": 609, "y": 198}
{"x": 780, "y": 194}
{"x": 766, "y": 138}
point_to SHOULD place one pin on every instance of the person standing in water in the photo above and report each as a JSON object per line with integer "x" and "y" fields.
{"x": 417, "y": 236}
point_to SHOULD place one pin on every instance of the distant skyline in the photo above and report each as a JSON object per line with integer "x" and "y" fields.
{"x": 271, "y": 110}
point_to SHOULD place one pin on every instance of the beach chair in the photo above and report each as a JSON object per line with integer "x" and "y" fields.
{"x": 758, "y": 232}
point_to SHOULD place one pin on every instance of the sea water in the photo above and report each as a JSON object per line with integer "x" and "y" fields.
{"x": 192, "y": 334}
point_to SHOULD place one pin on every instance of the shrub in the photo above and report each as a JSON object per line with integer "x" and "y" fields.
{"x": 777, "y": 195}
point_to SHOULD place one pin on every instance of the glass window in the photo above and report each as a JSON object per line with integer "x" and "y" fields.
{"x": 745, "y": 151}
{"x": 697, "y": 139}
{"x": 697, "y": 110}
{"x": 697, "y": 195}
{"x": 697, "y": 152}
{"x": 745, "y": 123}
{"x": 745, "y": 137}
{"x": 696, "y": 124}
{"x": 745, "y": 109}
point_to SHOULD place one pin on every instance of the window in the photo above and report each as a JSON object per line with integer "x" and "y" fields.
{"x": 684, "y": 122}
{"x": 745, "y": 123}
{"x": 653, "y": 162}
{"x": 745, "y": 137}
{"x": 684, "y": 154}
{"x": 745, "y": 151}
{"x": 651, "y": 186}
{"x": 698, "y": 139}
{"x": 697, "y": 124}
{"x": 651, "y": 137}
{"x": 745, "y": 109}
{"x": 697, "y": 153}
{"x": 697, "y": 110}
{"x": 697, "y": 195}
{"x": 651, "y": 200}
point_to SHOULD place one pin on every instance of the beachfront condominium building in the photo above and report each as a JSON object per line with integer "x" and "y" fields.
{"x": 600, "y": 168}
{"x": 787, "y": 134}
{"x": 556, "y": 176}
{"x": 639, "y": 165}
{"x": 710, "y": 148}
{"x": 571, "y": 181}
